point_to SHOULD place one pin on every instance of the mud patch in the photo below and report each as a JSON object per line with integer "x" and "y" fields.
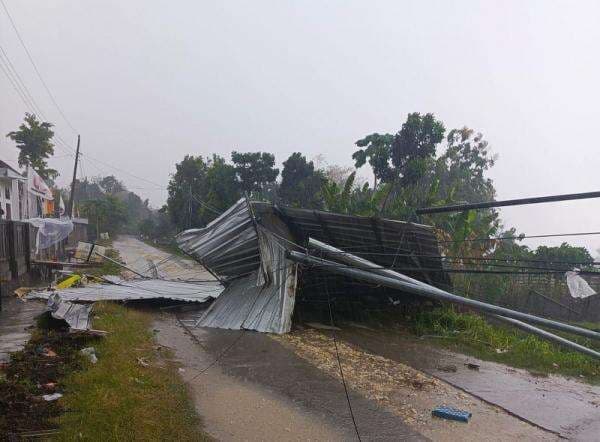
{"x": 33, "y": 372}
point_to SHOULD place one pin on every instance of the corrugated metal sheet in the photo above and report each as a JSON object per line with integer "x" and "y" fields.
{"x": 76, "y": 315}
{"x": 75, "y": 304}
{"x": 137, "y": 289}
{"x": 246, "y": 247}
{"x": 389, "y": 243}
{"x": 228, "y": 246}
{"x": 262, "y": 301}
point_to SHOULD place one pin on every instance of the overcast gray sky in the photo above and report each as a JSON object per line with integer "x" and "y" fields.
{"x": 146, "y": 82}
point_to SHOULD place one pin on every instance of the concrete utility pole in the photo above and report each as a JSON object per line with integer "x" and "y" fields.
{"x": 71, "y": 200}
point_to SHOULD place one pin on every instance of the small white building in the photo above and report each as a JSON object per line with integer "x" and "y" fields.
{"x": 12, "y": 193}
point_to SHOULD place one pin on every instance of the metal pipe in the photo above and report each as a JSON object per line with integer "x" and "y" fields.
{"x": 406, "y": 284}
{"x": 368, "y": 265}
{"x": 549, "y": 336}
{"x": 515, "y": 202}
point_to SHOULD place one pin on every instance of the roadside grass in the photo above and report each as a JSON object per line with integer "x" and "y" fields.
{"x": 106, "y": 267}
{"x": 133, "y": 392}
{"x": 472, "y": 334}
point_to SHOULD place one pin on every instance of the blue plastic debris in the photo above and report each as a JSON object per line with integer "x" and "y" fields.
{"x": 451, "y": 413}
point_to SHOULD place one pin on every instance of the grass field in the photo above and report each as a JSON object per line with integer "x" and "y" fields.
{"x": 133, "y": 392}
{"x": 472, "y": 334}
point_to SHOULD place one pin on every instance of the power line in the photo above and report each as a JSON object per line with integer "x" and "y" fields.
{"x": 520, "y": 237}
{"x": 515, "y": 202}
{"x": 122, "y": 170}
{"x": 26, "y": 96}
{"x": 37, "y": 71}
{"x": 21, "y": 84}
{"x": 479, "y": 259}
{"x": 339, "y": 361}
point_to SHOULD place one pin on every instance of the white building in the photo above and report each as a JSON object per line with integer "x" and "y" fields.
{"x": 24, "y": 196}
{"x": 12, "y": 193}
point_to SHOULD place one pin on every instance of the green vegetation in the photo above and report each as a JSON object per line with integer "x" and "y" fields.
{"x": 34, "y": 141}
{"x": 107, "y": 267}
{"x": 133, "y": 392}
{"x": 471, "y": 334}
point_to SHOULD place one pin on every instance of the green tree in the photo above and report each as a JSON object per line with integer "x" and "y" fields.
{"x": 106, "y": 214}
{"x": 402, "y": 160}
{"x": 222, "y": 188}
{"x": 377, "y": 151}
{"x": 200, "y": 190}
{"x": 563, "y": 256}
{"x": 111, "y": 185}
{"x": 186, "y": 186}
{"x": 255, "y": 170}
{"x": 34, "y": 141}
{"x": 461, "y": 168}
{"x": 338, "y": 198}
{"x": 301, "y": 183}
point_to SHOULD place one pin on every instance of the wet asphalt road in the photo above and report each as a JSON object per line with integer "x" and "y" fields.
{"x": 282, "y": 397}
{"x": 260, "y": 390}
{"x": 565, "y": 406}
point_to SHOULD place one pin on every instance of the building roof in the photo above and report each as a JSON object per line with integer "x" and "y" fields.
{"x": 6, "y": 171}
{"x": 246, "y": 247}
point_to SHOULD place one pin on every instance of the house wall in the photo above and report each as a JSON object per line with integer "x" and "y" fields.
{"x": 12, "y": 186}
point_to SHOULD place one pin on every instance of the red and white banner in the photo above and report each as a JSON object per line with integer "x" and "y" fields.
{"x": 37, "y": 186}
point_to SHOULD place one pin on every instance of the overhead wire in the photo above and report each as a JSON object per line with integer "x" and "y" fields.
{"x": 339, "y": 361}
{"x": 35, "y": 68}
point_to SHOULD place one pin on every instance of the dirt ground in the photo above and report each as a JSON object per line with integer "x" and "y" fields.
{"x": 288, "y": 387}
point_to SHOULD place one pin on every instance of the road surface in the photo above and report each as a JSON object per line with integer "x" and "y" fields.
{"x": 253, "y": 386}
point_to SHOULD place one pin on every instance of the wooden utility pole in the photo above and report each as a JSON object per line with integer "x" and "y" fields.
{"x": 71, "y": 200}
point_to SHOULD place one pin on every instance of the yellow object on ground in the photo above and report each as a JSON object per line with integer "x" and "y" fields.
{"x": 69, "y": 282}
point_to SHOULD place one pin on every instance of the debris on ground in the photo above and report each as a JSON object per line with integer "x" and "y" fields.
{"x": 472, "y": 366}
{"x": 68, "y": 282}
{"x": 49, "y": 353}
{"x": 451, "y": 414}
{"x": 320, "y": 326}
{"x": 49, "y": 386}
{"x": 447, "y": 368}
{"x": 402, "y": 390}
{"x": 22, "y": 292}
{"x": 52, "y": 397}
{"x": 35, "y": 372}
{"x": 90, "y": 352}
{"x": 74, "y": 304}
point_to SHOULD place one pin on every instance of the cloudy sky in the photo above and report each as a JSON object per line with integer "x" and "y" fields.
{"x": 146, "y": 82}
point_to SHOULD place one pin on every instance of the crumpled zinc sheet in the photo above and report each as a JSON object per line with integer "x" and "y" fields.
{"x": 75, "y": 304}
{"x": 50, "y": 231}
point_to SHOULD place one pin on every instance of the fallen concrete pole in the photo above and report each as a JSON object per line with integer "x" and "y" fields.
{"x": 120, "y": 264}
{"x": 434, "y": 293}
{"x": 549, "y": 336}
{"x": 365, "y": 264}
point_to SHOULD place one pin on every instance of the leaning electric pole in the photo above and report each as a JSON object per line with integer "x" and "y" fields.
{"x": 71, "y": 200}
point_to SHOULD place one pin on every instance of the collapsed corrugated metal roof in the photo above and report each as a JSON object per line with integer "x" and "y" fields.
{"x": 130, "y": 290}
{"x": 74, "y": 304}
{"x": 245, "y": 247}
